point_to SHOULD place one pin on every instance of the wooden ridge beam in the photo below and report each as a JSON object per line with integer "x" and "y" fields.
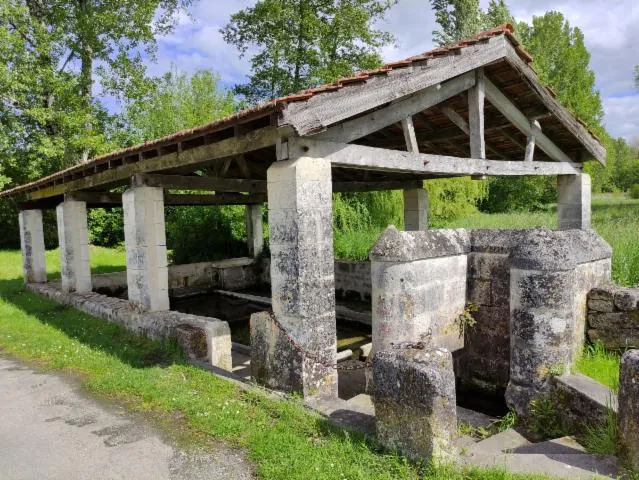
{"x": 519, "y": 120}
{"x": 370, "y": 158}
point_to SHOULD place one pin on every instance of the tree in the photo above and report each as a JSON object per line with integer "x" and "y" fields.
{"x": 562, "y": 62}
{"x": 460, "y": 19}
{"x": 302, "y": 43}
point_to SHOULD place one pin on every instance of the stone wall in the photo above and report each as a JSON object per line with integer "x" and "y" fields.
{"x": 231, "y": 274}
{"x": 353, "y": 280}
{"x": 203, "y": 338}
{"x": 613, "y": 317}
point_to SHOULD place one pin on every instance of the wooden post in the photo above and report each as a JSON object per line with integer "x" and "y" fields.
{"x": 476, "y": 96}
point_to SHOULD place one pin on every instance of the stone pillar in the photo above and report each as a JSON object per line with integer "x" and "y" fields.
{"x": 419, "y": 287}
{"x": 145, "y": 238}
{"x": 415, "y": 209}
{"x": 73, "y": 236}
{"x": 573, "y": 204}
{"x": 415, "y": 403}
{"x": 628, "y": 412}
{"x": 32, "y": 245}
{"x": 254, "y": 232}
{"x": 295, "y": 349}
{"x": 542, "y": 291}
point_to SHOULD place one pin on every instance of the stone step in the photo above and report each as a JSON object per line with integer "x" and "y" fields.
{"x": 362, "y": 403}
{"x": 572, "y": 466}
{"x": 558, "y": 446}
{"x": 473, "y": 418}
{"x": 502, "y": 442}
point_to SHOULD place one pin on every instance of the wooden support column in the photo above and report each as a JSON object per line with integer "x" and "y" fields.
{"x": 535, "y": 130}
{"x": 476, "y": 96}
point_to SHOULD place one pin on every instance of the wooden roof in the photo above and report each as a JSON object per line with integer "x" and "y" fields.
{"x": 243, "y": 145}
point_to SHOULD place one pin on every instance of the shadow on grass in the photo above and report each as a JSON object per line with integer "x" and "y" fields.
{"x": 134, "y": 349}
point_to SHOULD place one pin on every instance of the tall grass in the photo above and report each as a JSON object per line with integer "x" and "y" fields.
{"x": 600, "y": 364}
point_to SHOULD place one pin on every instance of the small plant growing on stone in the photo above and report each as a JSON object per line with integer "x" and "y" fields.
{"x": 507, "y": 421}
{"x": 546, "y": 418}
{"x": 602, "y": 439}
{"x": 465, "y": 319}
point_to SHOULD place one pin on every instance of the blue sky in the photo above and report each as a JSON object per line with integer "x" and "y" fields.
{"x": 609, "y": 28}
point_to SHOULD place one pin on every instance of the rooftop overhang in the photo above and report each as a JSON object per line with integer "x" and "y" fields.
{"x": 473, "y": 108}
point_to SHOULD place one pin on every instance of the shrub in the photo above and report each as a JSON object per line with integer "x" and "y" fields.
{"x": 106, "y": 226}
{"x": 197, "y": 234}
{"x": 634, "y": 191}
{"x": 510, "y": 194}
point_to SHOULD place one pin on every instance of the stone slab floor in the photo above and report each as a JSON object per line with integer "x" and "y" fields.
{"x": 48, "y": 429}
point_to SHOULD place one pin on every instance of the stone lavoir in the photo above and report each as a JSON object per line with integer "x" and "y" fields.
{"x": 496, "y": 311}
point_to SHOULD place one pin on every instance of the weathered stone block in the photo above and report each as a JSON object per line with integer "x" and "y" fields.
{"x": 628, "y": 414}
{"x": 614, "y": 320}
{"x": 192, "y": 340}
{"x": 32, "y": 246}
{"x": 479, "y": 292}
{"x": 75, "y": 269}
{"x": 627, "y": 299}
{"x": 416, "y": 209}
{"x": 283, "y": 363}
{"x": 573, "y": 204}
{"x": 415, "y": 404}
{"x": 601, "y": 305}
{"x": 615, "y": 339}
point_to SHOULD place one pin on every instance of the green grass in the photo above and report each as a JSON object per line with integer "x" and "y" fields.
{"x": 280, "y": 436}
{"x": 602, "y": 365}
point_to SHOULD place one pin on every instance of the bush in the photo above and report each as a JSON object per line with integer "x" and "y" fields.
{"x": 634, "y": 191}
{"x": 106, "y": 226}
{"x": 512, "y": 194}
{"x": 451, "y": 198}
{"x": 197, "y": 234}
{"x": 10, "y": 237}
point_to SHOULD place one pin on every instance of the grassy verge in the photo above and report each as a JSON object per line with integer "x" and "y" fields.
{"x": 280, "y": 437}
{"x": 601, "y": 365}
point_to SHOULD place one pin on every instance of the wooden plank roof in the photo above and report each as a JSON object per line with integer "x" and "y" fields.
{"x": 315, "y": 110}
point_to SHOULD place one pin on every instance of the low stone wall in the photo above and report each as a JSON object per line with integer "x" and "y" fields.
{"x": 613, "y": 317}
{"x": 353, "y": 280}
{"x": 231, "y": 274}
{"x": 203, "y": 338}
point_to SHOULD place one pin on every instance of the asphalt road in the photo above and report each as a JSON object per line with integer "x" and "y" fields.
{"x": 50, "y": 430}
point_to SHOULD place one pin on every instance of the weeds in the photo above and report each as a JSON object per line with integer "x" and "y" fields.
{"x": 602, "y": 439}
{"x": 545, "y": 418}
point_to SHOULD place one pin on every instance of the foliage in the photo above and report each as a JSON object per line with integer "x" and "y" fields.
{"x": 600, "y": 364}
{"x": 460, "y": 19}
{"x": 514, "y": 194}
{"x": 177, "y": 102}
{"x": 50, "y": 57}
{"x": 296, "y": 44}
{"x": 602, "y": 439}
{"x": 206, "y": 233}
{"x": 634, "y": 191}
{"x": 466, "y": 320}
{"x": 106, "y": 226}
{"x": 451, "y": 198}
{"x": 546, "y": 418}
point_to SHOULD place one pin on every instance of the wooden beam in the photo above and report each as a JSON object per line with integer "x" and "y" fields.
{"x": 251, "y": 141}
{"x": 476, "y": 97}
{"x": 376, "y": 186}
{"x": 370, "y": 158}
{"x": 409, "y": 135}
{"x": 194, "y": 182}
{"x": 110, "y": 199}
{"x": 459, "y": 121}
{"x": 581, "y": 133}
{"x": 397, "y": 111}
{"x": 535, "y": 130}
{"x": 178, "y": 200}
{"x": 519, "y": 120}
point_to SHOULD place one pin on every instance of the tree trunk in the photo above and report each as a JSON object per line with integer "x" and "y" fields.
{"x": 86, "y": 68}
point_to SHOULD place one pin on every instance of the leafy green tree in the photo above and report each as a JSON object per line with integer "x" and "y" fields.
{"x": 460, "y": 19}
{"x": 302, "y": 43}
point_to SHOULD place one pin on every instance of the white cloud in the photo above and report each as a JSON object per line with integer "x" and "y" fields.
{"x": 622, "y": 115}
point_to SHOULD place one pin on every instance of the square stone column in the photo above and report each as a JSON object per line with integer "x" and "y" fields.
{"x": 32, "y": 245}
{"x": 628, "y": 413}
{"x": 254, "y": 231}
{"x": 147, "y": 268}
{"x": 573, "y": 205}
{"x": 300, "y": 337}
{"x": 415, "y": 210}
{"x": 73, "y": 236}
